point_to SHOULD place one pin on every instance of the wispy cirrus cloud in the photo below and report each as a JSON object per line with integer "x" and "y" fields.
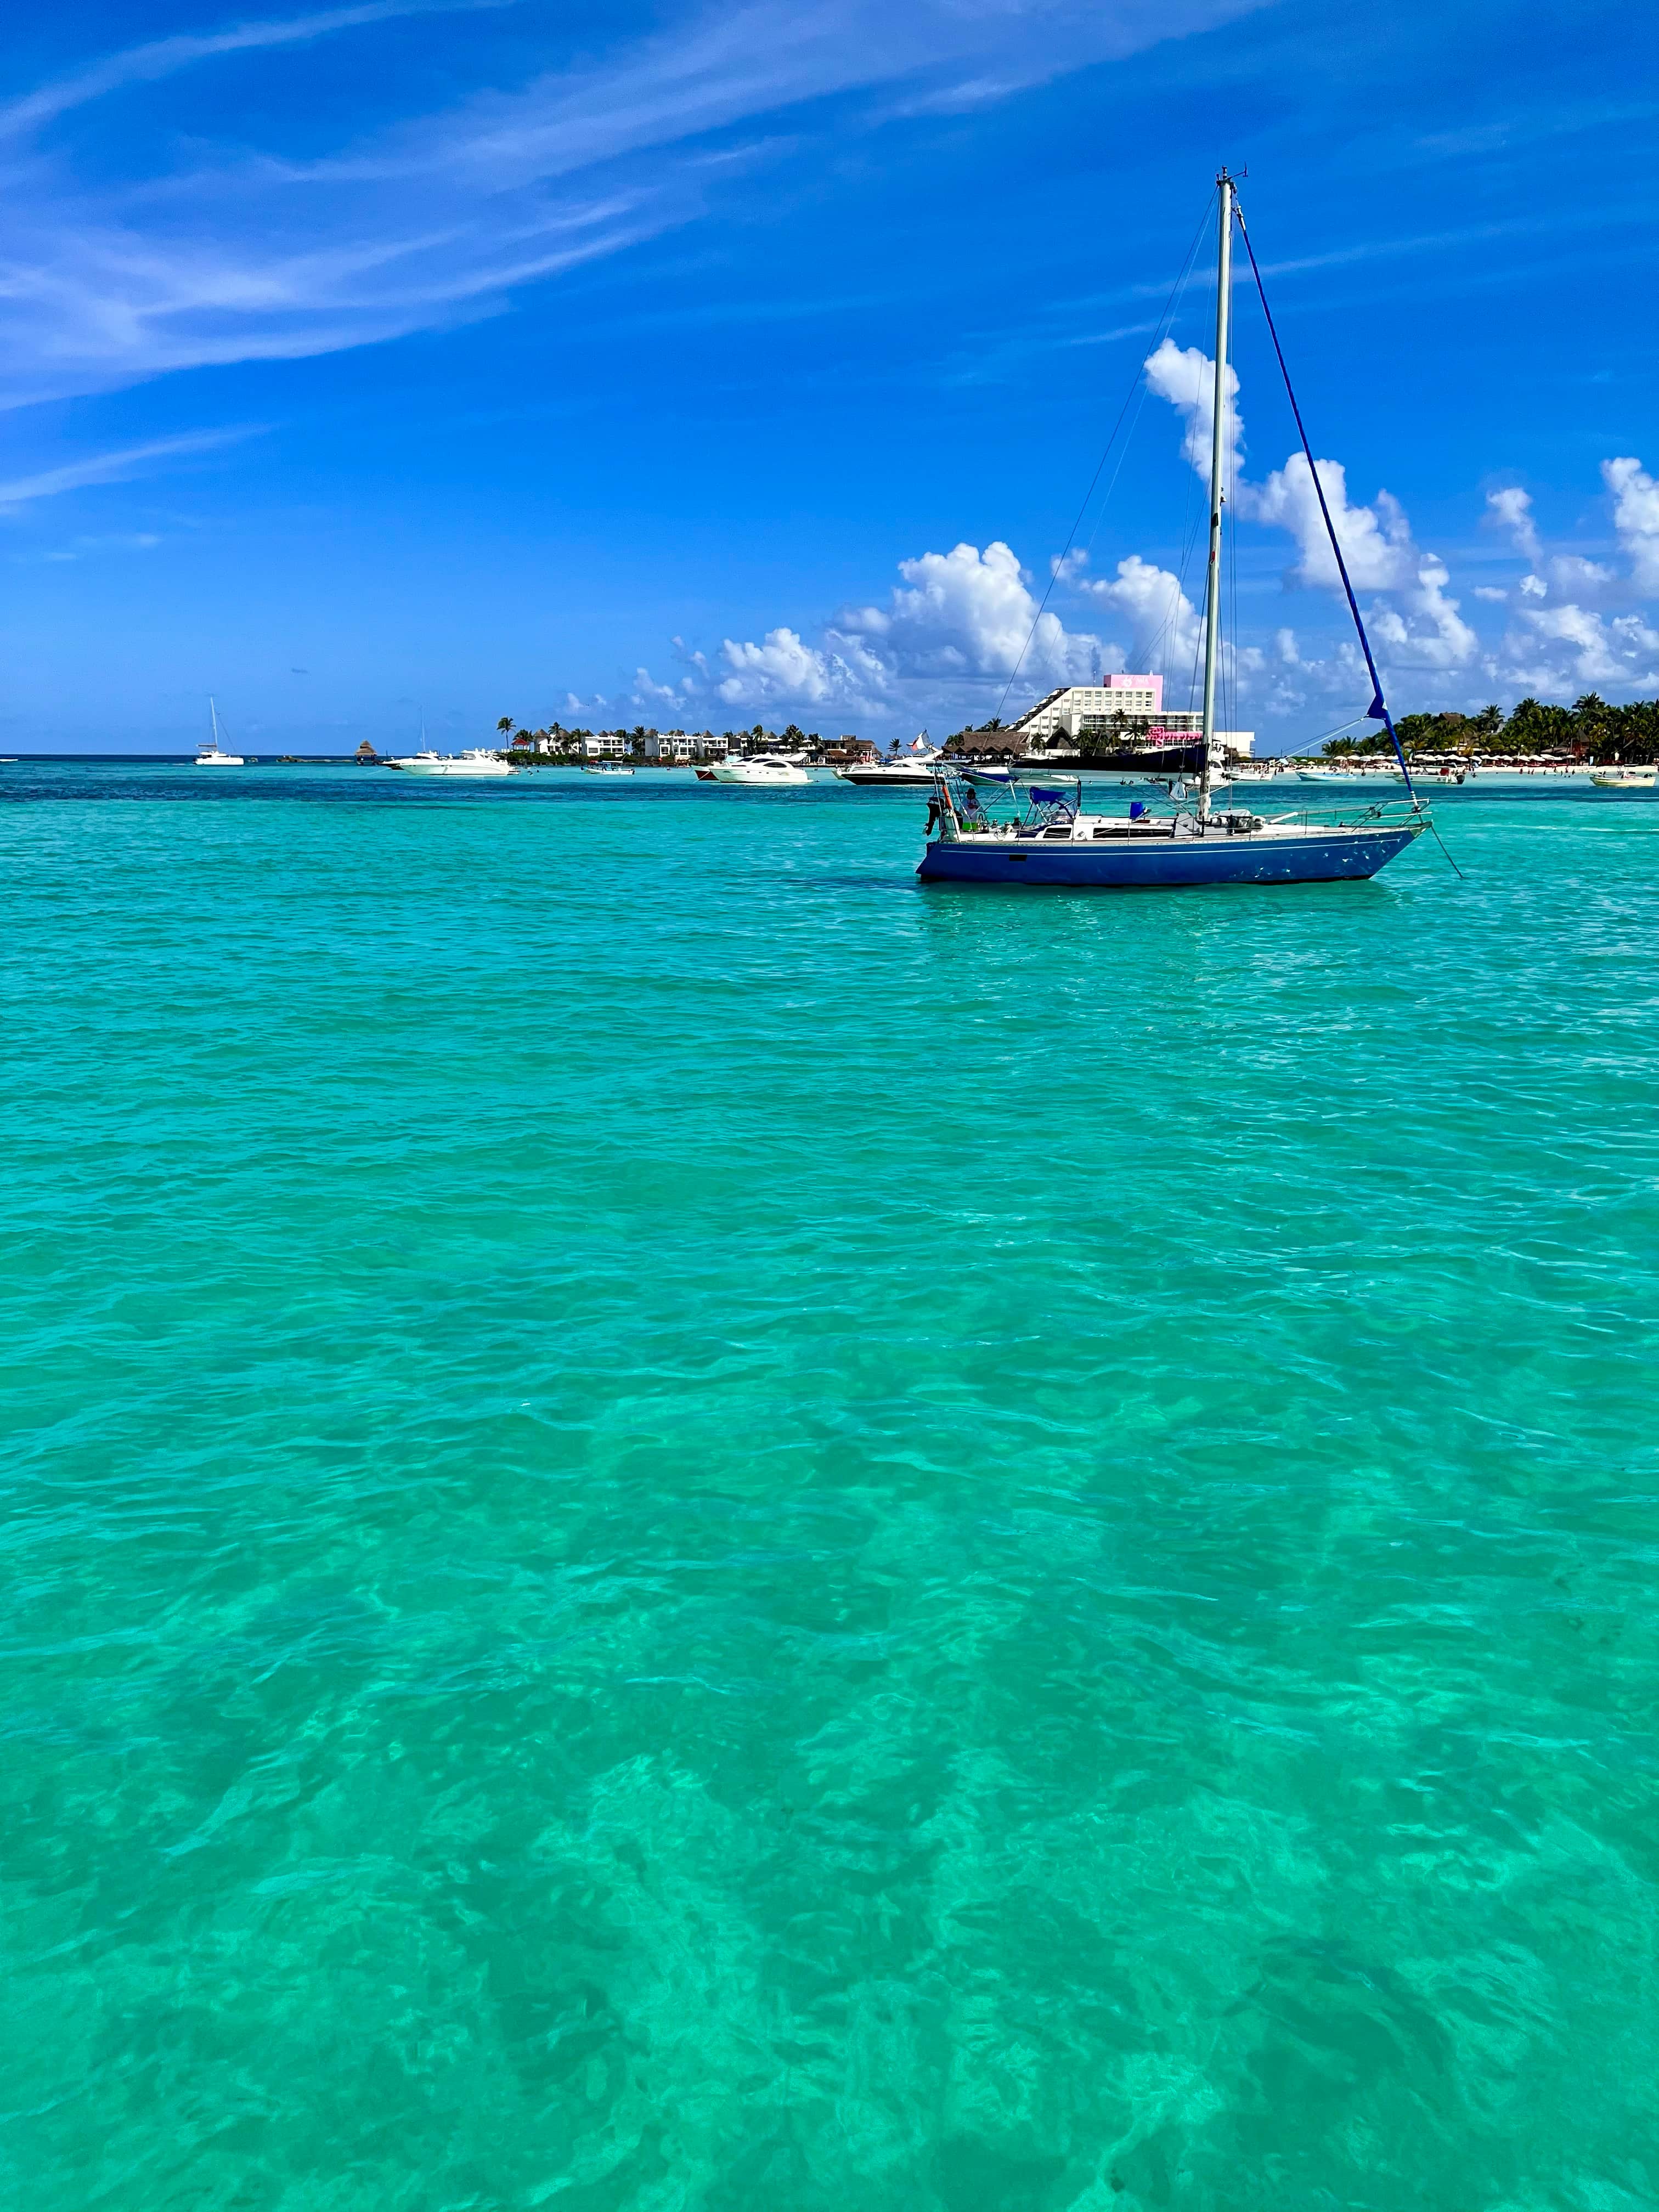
{"x": 269, "y": 253}
{"x": 162, "y": 58}
{"x": 116, "y": 467}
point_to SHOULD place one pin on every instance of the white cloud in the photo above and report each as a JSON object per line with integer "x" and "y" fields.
{"x": 1492, "y": 592}
{"x": 647, "y": 693}
{"x": 260, "y": 255}
{"x": 1510, "y": 509}
{"x": 1424, "y": 628}
{"x": 1376, "y": 541}
{"x": 784, "y": 668}
{"x": 1561, "y": 645}
{"x": 1563, "y": 649}
{"x": 1418, "y": 622}
{"x": 1635, "y": 635}
{"x": 1571, "y": 572}
{"x": 1573, "y": 575}
{"x": 1635, "y": 518}
{"x": 965, "y": 613}
{"x": 1186, "y": 378}
{"x": 959, "y": 622}
{"x": 1164, "y": 632}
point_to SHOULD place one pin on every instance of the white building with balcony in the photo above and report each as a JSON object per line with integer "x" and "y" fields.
{"x": 1068, "y": 712}
{"x": 1080, "y": 709}
{"x": 604, "y": 744}
{"x": 667, "y": 746}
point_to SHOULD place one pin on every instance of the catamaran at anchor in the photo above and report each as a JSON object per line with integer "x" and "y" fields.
{"x": 212, "y": 754}
{"x": 1044, "y": 837}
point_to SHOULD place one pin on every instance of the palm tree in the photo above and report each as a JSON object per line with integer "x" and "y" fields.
{"x": 505, "y": 725}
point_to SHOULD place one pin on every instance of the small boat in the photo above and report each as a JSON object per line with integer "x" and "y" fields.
{"x": 606, "y": 768}
{"x": 1625, "y": 778}
{"x": 770, "y": 771}
{"x": 1043, "y": 836}
{"x": 212, "y": 754}
{"x": 917, "y": 764}
{"x": 479, "y": 760}
{"x": 1351, "y": 779}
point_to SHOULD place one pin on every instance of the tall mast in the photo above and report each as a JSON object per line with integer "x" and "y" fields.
{"x": 1218, "y": 455}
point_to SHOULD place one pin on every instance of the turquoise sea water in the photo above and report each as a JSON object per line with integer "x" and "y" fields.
{"x": 686, "y": 1527}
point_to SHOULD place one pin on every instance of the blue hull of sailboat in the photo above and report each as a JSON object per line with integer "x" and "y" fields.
{"x": 1163, "y": 864}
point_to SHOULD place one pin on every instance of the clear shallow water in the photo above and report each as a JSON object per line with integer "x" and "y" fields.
{"x": 689, "y": 1528}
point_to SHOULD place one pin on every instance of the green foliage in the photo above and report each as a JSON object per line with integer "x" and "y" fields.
{"x": 1118, "y": 733}
{"x": 1589, "y": 729}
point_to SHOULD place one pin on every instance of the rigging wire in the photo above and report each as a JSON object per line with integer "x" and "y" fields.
{"x": 1137, "y": 387}
{"x": 1229, "y": 673}
{"x": 1377, "y": 711}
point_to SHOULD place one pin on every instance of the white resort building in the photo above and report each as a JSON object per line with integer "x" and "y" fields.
{"x": 1080, "y": 709}
{"x": 684, "y": 745}
{"x": 668, "y": 746}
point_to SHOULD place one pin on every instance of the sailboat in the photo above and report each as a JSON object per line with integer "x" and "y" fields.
{"x": 212, "y": 754}
{"x": 1035, "y": 831}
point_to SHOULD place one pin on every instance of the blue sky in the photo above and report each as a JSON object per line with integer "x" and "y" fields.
{"x": 372, "y": 363}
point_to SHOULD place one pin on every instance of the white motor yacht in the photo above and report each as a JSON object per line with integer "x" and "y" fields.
{"x": 760, "y": 769}
{"x": 918, "y": 764}
{"x": 479, "y": 760}
{"x": 212, "y": 754}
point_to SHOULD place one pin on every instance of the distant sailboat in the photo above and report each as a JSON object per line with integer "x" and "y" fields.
{"x": 212, "y": 754}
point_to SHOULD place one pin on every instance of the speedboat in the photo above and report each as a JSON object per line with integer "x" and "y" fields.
{"x": 212, "y": 754}
{"x": 479, "y": 760}
{"x": 1352, "y": 779}
{"x": 1044, "y": 837}
{"x": 606, "y": 768}
{"x": 1625, "y": 778}
{"x": 760, "y": 769}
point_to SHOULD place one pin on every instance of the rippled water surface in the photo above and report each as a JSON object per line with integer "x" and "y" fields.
{"x": 687, "y": 1527}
